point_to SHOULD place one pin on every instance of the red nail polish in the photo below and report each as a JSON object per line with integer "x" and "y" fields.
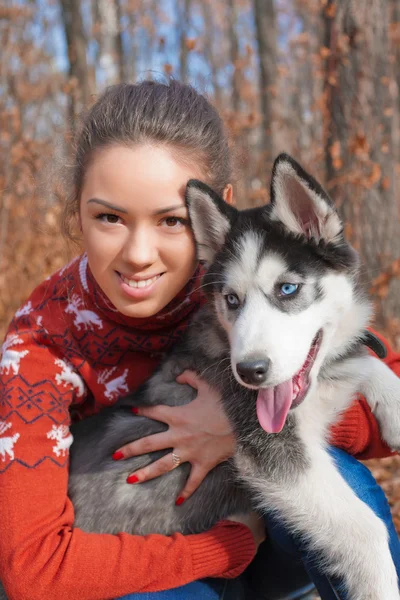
{"x": 135, "y": 410}
{"x": 132, "y": 479}
{"x": 180, "y": 501}
{"x": 118, "y": 455}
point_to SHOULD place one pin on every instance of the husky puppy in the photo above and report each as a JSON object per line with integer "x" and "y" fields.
{"x": 281, "y": 339}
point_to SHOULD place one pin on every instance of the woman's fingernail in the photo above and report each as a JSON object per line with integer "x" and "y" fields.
{"x": 135, "y": 410}
{"x": 118, "y": 455}
{"x": 180, "y": 501}
{"x": 132, "y": 479}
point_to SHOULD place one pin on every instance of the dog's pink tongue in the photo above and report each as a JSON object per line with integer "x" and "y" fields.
{"x": 273, "y": 405}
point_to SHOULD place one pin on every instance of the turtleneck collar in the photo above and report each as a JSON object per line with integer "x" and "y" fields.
{"x": 186, "y": 302}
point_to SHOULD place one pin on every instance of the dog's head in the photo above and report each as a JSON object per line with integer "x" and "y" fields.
{"x": 282, "y": 281}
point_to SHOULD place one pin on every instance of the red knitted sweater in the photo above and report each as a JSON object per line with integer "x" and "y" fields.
{"x": 67, "y": 354}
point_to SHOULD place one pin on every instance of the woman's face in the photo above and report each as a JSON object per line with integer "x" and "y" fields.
{"x": 135, "y": 226}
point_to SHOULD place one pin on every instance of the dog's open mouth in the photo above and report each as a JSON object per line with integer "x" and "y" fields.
{"x": 273, "y": 404}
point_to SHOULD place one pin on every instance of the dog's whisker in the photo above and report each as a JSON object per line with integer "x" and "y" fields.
{"x": 214, "y": 365}
{"x": 207, "y": 284}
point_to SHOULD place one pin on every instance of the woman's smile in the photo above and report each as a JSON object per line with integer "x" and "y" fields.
{"x": 139, "y": 288}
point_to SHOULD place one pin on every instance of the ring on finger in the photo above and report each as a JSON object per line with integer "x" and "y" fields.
{"x": 176, "y": 460}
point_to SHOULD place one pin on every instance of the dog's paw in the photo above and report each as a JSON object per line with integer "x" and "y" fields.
{"x": 387, "y": 413}
{"x": 381, "y": 388}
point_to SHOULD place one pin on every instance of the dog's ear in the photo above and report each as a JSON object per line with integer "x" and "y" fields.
{"x": 301, "y": 204}
{"x": 211, "y": 218}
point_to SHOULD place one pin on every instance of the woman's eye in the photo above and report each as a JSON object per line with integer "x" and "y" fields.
{"x": 232, "y": 301}
{"x": 174, "y": 222}
{"x": 288, "y": 289}
{"x": 108, "y": 218}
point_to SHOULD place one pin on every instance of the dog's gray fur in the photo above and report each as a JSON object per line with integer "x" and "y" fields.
{"x": 291, "y": 472}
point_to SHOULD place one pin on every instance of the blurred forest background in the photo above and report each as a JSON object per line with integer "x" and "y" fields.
{"x": 319, "y": 79}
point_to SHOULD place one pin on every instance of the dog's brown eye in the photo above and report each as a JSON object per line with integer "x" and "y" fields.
{"x": 232, "y": 301}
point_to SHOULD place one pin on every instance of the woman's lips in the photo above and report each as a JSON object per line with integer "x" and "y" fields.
{"x": 138, "y": 288}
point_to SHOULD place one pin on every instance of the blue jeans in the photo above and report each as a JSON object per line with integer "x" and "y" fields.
{"x": 283, "y": 561}
{"x": 197, "y": 590}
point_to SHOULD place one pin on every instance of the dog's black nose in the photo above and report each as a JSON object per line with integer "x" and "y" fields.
{"x": 253, "y": 372}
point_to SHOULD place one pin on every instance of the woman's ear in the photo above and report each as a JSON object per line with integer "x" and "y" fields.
{"x": 228, "y": 194}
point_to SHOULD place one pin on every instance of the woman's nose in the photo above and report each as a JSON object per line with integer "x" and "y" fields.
{"x": 140, "y": 248}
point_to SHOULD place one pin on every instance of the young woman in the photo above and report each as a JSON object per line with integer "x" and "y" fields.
{"x": 96, "y": 329}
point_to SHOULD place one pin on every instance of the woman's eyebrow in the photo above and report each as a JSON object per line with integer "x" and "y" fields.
{"x": 123, "y": 210}
{"x": 107, "y": 205}
{"x": 169, "y": 209}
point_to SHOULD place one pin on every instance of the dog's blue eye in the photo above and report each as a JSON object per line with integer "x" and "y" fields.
{"x": 232, "y": 301}
{"x": 288, "y": 289}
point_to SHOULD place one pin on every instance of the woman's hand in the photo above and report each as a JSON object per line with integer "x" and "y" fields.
{"x": 254, "y": 522}
{"x": 199, "y": 433}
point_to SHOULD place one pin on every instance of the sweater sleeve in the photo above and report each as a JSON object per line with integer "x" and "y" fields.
{"x": 358, "y": 431}
{"x": 42, "y": 554}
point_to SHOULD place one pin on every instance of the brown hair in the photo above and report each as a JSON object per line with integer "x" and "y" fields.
{"x": 172, "y": 113}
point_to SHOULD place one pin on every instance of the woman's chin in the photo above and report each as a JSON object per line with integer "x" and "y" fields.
{"x": 141, "y": 309}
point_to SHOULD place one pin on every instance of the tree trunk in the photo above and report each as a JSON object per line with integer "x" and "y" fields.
{"x": 358, "y": 141}
{"x": 210, "y": 55}
{"x": 119, "y": 47}
{"x": 265, "y": 22}
{"x": 110, "y": 42}
{"x": 235, "y": 56}
{"x": 184, "y": 8}
{"x": 78, "y": 67}
{"x": 130, "y": 69}
{"x": 395, "y": 39}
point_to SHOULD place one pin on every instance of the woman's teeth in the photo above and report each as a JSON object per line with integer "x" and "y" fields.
{"x": 139, "y": 284}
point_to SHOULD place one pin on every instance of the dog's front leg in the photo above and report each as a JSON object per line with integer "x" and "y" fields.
{"x": 381, "y": 388}
{"x": 342, "y": 531}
